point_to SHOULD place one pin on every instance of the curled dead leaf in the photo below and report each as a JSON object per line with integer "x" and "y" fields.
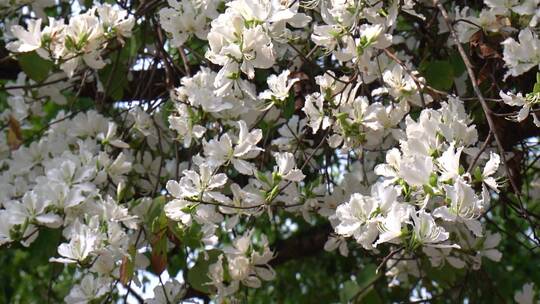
{"x": 14, "y": 136}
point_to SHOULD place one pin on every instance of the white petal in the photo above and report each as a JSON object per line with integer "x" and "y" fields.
{"x": 50, "y": 220}
{"x": 243, "y": 166}
{"x": 444, "y": 213}
{"x": 217, "y": 180}
{"x": 294, "y": 175}
{"x": 475, "y": 226}
{"x": 174, "y": 189}
{"x": 492, "y": 165}
{"x": 493, "y": 254}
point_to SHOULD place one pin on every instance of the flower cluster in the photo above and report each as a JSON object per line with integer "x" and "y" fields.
{"x": 187, "y": 18}
{"x": 241, "y": 118}
{"x": 425, "y": 195}
{"x": 81, "y": 41}
{"x": 244, "y": 38}
{"x": 523, "y": 55}
{"x": 67, "y": 180}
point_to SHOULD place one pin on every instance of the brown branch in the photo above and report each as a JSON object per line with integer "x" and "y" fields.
{"x": 485, "y": 108}
{"x": 301, "y": 246}
{"x": 477, "y": 91}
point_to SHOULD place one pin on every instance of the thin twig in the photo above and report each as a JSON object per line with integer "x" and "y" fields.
{"x": 482, "y": 149}
{"x": 485, "y": 108}
{"x": 388, "y": 257}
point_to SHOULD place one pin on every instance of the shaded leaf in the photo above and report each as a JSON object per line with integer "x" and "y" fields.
{"x": 439, "y": 74}
{"x": 34, "y": 66}
{"x": 349, "y": 291}
{"x": 197, "y": 276}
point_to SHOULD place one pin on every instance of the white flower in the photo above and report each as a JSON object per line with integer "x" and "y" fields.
{"x": 110, "y": 137}
{"x": 81, "y": 41}
{"x": 465, "y": 206}
{"x": 501, "y": 7}
{"x": 257, "y": 51}
{"x": 526, "y": 103}
{"x": 335, "y": 242}
{"x": 290, "y": 134}
{"x": 239, "y": 268}
{"x": 89, "y": 289}
{"x": 525, "y": 295}
{"x": 77, "y": 250}
{"x": 403, "y": 87}
{"x": 449, "y": 163}
{"x": 175, "y": 210}
{"x": 373, "y": 35}
{"x": 416, "y": 170}
{"x": 115, "y": 20}
{"x": 523, "y": 55}
{"x": 437, "y": 257}
{"x": 426, "y": 232}
{"x": 357, "y": 219}
{"x": 246, "y": 265}
{"x": 490, "y": 169}
{"x": 489, "y": 245}
{"x": 286, "y": 167}
{"x": 314, "y": 109}
{"x": 32, "y": 208}
{"x": 278, "y": 86}
{"x": 199, "y": 91}
{"x": 170, "y": 292}
{"x": 194, "y": 184}
{"x": 390, "y": 228}
{"x": 186, "y": 18}
{"x": 216, "y": 274}
{"x": 5, "y": 228}
{"x": 119, "y": 167}
{"x": 254, "y": 49}
{"x": 222, "y": 151}
{"x": 27, "y": 40}
{"x": 325, "y": 35}
{"x": 184, "y": 125}
{"x": 84, "y": 241}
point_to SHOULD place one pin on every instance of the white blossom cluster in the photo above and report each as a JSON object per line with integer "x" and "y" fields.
{"x": 81, "y": 41}
{"x": 233, "y": 149}
{"x": 67, "y": 180}
{"x": 425, "y": 195}
{"x": 246, "y": 36}
{"x": 186, "y": 18}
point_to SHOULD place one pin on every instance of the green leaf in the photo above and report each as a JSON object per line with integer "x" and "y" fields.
{"x": 288, "y": 110}
{"x": 114, "y": 79}
{"x": 261, "y": 76}
{"x": 439, "y": 74}
{"x": 34, "y": 66}
{"x": 177, "y": 261}
{"x": 367, "y": 275}
{"x": 536, "y": 88}
{"x": 360, "y": 289}
{"x": 155, "y": 209}
{"x": 349, "y": 291}
{"x": 197, "y": 276}
{"x": 371, "y": 297}
{"x": 192, "y": 236}
{"x": 132, "y": 45}
{"x": 457, "y": 64}
{"x": 44, "y": 246}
